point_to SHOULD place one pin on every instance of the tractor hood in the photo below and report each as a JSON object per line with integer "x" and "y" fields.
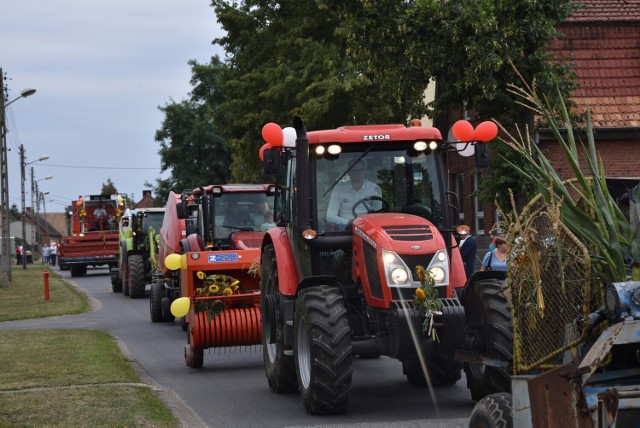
{"x": 399, "y": 232}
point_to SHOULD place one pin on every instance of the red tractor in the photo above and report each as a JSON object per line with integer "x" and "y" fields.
{"x": 218, "y": 266}
{"x": 340, "y": 272}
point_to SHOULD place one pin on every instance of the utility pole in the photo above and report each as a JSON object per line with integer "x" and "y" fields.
{"x": 5, "y": 250}
{"x": 24, "y": 208}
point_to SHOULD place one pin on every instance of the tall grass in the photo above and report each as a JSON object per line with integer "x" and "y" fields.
{"x": 586, "y": 206}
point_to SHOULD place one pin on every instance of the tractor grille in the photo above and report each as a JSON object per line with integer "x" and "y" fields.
{"x": 409, "y": 233}
{"x": 371, "y": 263}
{"x": 413, "y": 261}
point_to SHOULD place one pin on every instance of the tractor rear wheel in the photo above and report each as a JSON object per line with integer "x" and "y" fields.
{"x": 279, "y": 367}
{"x": 155, "y": 302}
{"x": 116, "y": 281}
{"x": 136, "y": 276}
{"x": 493, "y": 411}
{"x": 322, "y": 349}
{"x": 490, "y": 331}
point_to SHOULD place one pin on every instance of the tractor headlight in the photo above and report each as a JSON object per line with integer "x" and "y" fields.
{"x": 395, "y": 270}
{"x": 439, "y": 268}
{"x": 399, "y": 276}
{"x": 437, "y": 273}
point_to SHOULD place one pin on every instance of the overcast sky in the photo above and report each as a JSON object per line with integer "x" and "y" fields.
{"x": 101, "y": 68}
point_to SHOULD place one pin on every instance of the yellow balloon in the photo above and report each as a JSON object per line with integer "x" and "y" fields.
{"x": 172, "y": 261}
{"x": 180, "y": 307}
{"x": 183, "y": 261}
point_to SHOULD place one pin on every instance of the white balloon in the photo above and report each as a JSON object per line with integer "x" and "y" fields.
{"x": 470, "y": 150}
{"x": 289, "y": 137}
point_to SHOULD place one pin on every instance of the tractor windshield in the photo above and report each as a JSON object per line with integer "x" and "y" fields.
{"x": 242, "y": 211}
{"x": 153, "y": 219}
{"x": 382, "y": 178}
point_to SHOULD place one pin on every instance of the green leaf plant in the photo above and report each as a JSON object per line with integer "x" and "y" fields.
{"x": 586, "y": 206}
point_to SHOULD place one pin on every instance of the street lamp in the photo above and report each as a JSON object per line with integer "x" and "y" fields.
{"x": 5, "y": 260}
{"x": 34, "y": 200}
{"x": 41, "y": 196}
{"x": 23, "y": 166}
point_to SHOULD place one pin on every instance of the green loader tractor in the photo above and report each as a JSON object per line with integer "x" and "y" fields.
{"x": 138, "y": 257}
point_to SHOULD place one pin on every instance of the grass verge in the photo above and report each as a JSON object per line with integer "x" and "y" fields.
{"x": 25, "y": 297}
{"x": 66, "y": 377}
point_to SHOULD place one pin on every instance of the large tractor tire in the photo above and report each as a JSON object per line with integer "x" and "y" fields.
{"x": 443, "y": 371}
{"x": 279, "y": 367}
{"x": 136, "y": 276}
{"x": 489, "y": 329}
{"x": 155, "y": 302}
{"x": 116, "y": 281}
{"x": 322, "y": 349}
{"x": 493, "y": 411}
{"x": 125, "y": 278}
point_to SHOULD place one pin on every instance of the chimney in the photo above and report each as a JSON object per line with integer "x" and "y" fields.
{"x": 146, "y": 193}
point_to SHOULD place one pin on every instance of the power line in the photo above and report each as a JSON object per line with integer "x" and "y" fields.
{"x": 94, "y": 167}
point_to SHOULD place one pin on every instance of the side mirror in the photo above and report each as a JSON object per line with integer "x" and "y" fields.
{"x": 181, "y": 210}
{"x": 271, "y": 163}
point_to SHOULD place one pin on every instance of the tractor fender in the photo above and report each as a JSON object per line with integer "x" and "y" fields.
{"x": 288, "y": 270}
{"x": 457, "y": 276}
{"x": 479, "y": 276}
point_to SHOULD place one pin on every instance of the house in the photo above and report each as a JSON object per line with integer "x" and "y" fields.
{"x": 147, "y": 200}
{"x": 603, "y": 38}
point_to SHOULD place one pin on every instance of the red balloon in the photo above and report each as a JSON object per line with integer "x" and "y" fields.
{"x": 263, "y": 148}
{"x": 486, "y": 131}
{"x": 272, "y": 134}
{"x": 463, "y": 130}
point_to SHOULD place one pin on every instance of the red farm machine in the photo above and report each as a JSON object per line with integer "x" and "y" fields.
{"x": 333, "y": 288}
{"x": 218, "y": 266}
{"x": 92, "y": 240}
{"x": 165, "y": 282}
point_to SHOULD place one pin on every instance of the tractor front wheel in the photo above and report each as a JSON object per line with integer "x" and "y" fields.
{"x": 493, "y": 411}
{"x": 279, "y": 367}
{"x": 155, "y": 302}
{"x": 322, "y": 349}
{"x": 489, "y": 330}
{"x": 136, "y": 276}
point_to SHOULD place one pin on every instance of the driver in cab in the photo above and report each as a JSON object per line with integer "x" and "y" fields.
{"x": 345, "y": 195}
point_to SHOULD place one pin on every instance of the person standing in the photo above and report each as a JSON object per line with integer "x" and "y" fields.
{"x": 468, "y": 249}
{"x": 18, "y": 254}
{"x": 45, "y": 254}
{"x": 53, "y": 253}
{"x": 496, "y": 259}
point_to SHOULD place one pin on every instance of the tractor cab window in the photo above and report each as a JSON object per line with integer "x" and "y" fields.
{"x": 240, "y": 211}
{"x": 153, "y": 220}
{"x": 383, "y": 179}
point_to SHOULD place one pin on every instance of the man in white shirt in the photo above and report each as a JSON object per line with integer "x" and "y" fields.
{"x": 344, "y": 195}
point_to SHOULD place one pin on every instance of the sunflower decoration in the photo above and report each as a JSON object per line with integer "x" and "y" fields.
{"x": 214, "y": 285}
{"x": 83, "y": 213}
{"x": 426, "y": 300}
{"x": 118, "y": 212}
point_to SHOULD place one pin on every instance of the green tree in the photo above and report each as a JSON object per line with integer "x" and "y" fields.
{"x": 192, "y": 145}
{"x": 108, "y": 188}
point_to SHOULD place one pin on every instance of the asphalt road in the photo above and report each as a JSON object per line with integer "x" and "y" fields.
{"x": 231, "y": 389}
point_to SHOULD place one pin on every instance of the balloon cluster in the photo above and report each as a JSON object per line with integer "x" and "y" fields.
{"x": 463, "y": 131}
{"x": 277, "y": 137}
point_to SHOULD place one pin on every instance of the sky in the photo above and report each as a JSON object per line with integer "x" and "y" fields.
{"x": 101, "y": 69}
